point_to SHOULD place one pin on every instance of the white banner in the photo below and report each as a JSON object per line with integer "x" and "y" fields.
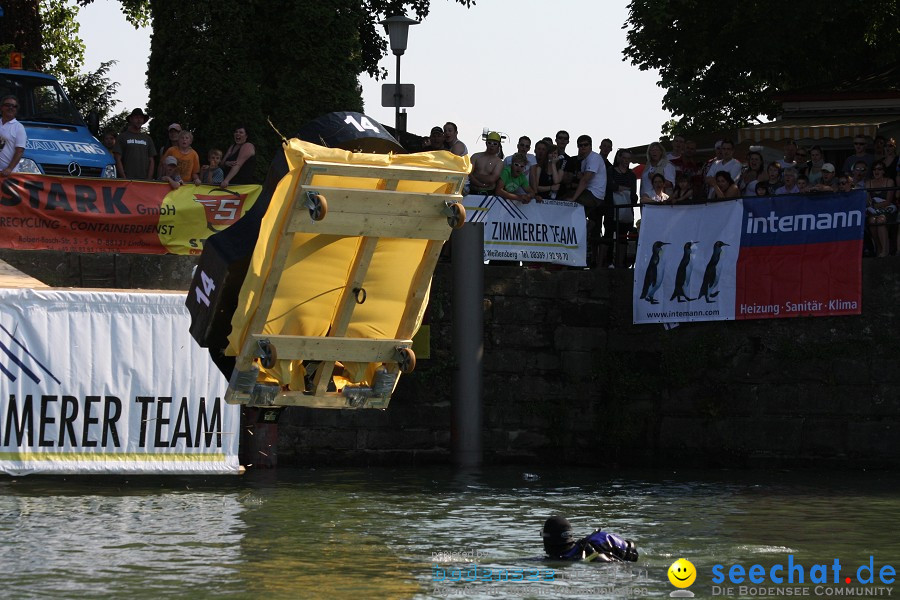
{"x": 552, "y": 231}
{"x": 686, "y": 263}
{"x": 109, "y": 382}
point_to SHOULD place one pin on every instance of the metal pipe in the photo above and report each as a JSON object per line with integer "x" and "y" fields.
{"x": 397, "y": 97}
{"x": 468, "y": 344}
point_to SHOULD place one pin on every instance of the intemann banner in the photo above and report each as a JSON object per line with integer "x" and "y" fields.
{"x": 753, "y": 258}
{"x": 74, "y": 214}
{"x": 552, "y": 231}
{"x": 109, "y": 382}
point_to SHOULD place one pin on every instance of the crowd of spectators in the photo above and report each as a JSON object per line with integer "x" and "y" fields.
{"x": 609, "y": 190}
{"x": 175, "y": 161}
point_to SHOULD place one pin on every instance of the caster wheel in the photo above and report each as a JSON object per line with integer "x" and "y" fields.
{"x": 268, "y": 356}
{"x": 317, "y": 205}
{"x": 407, "y": 362}
{"x": 458, "y": 218}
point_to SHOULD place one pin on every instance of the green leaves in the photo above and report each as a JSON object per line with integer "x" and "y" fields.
{"x": 722, "y": 64}
{"x": 216, "y": 63}
{"x": 63, "y": 49}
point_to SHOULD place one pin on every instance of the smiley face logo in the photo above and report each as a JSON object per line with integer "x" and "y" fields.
{"x": 682, "y": 573}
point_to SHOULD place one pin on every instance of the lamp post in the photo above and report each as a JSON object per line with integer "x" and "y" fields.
{"x": 397, "y": 28}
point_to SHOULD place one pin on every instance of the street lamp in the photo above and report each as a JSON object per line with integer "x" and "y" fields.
{"x": 397, "y": 28}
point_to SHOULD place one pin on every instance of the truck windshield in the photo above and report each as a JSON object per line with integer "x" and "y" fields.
{"x": 40, "y": 100}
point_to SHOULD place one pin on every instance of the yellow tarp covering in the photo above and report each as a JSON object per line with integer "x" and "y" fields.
{"x": 318, "y": 266}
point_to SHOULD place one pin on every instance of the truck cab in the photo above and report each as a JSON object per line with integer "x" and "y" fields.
{"x": 59, "y": 141}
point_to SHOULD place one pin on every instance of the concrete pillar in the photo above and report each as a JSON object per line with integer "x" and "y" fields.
{"x": 468, "y": 344}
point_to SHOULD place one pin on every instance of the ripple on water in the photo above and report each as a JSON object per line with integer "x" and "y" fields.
{"x": 378, "y": 533}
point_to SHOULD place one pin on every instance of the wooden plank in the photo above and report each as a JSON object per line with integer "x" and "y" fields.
{"x": 362, "y": 225}
{"x": 294, "y": 347}
{"x": 345, "y": 306}
{"x": 10, "y": 277}
{"x": 419, "y": 289}
{"x": 327, "y": 400}
{"x": 377, "y": 202}
{"x": 357, "y": 275}
{"x": 313, "y": 167}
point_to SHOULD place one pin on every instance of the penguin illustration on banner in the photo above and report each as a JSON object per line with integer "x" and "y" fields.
{"x": 653, "y": 277}
{"x": 709, "y": 289}
{"x": 683, "y": 274}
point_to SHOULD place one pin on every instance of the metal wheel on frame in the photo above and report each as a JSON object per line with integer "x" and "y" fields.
{"x": 317, "y": 205}
{"x": 407, "y": 361}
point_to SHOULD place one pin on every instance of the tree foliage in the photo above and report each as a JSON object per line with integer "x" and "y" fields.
{"x": 722, "y": 64}
{"x": 94, "y": 91}
{"x": 215, "y": 64}
{"x": 63, "y": 50}
{"x": 218, "y": 63}
{"x": 20, "y": 30}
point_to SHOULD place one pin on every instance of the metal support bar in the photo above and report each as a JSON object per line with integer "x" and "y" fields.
{"x": 468, "y": 344}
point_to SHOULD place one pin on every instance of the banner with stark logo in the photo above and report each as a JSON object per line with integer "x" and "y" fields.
{"x": 753, "y": 258}
{"x": 109, "y": 382}
{"x": 73, "y": 214}
{"x": 552, "y": 231}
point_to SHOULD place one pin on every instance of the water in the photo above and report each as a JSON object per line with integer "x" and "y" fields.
{"x": 378, "y": 533}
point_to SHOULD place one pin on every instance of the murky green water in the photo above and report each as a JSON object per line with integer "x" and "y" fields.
{"x": 378, "y": 533}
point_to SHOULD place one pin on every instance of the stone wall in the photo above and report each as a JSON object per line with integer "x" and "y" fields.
{"x": 569, "y": 379}
{"x": 116, "y": 271}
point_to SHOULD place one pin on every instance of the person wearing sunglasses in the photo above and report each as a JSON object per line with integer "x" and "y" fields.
{"x": 859, "y": 154}
{"x": 486, "y": 167}
{"x": 12, "y": 135}
{"x": 858, "y": 175}
{"x": 523, "y": 146}
{"x": 513, "y": 183}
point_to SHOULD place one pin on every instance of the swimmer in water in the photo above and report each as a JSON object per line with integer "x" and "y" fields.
{"x": 600, "y": 546}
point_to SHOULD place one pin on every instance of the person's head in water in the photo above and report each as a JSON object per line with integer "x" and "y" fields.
{"x": 558, "y": 537}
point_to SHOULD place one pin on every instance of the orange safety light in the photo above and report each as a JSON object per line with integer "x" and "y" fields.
{"x": 15, "y": 60}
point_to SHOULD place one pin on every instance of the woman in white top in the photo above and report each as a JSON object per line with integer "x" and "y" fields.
{"x": 657, "y": 163}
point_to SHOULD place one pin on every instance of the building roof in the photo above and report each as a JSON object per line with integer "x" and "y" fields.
{"x": 817, "y": 128}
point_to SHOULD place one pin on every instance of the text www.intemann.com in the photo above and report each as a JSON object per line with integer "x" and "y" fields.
{"x": 682, "y": 314}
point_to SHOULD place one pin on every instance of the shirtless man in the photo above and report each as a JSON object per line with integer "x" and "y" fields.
{"x": 486, "y": 167}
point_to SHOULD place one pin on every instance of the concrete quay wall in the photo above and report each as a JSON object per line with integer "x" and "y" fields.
{"x": 568, "y": 379}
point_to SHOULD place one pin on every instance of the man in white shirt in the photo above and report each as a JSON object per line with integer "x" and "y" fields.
{"x": 12, "y": 136}
{"x": 592, "y": 183}
{"x": 727, "y": 163}
{"x": 590, "y": 193}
